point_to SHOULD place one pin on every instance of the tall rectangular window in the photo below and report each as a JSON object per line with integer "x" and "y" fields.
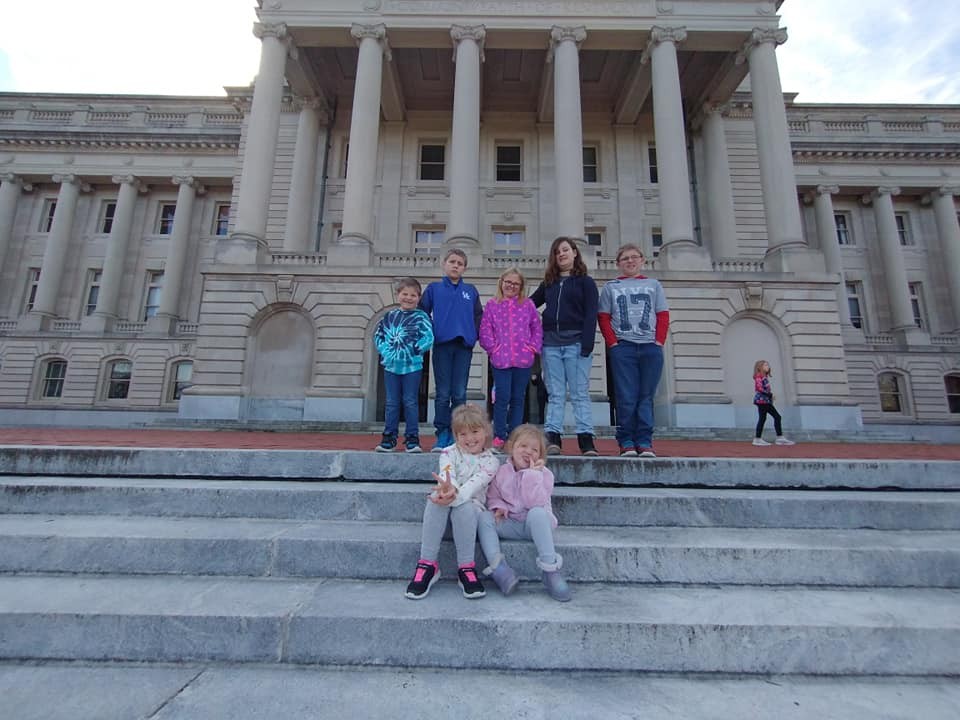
{"x": 508, "y": 242}
{"x": 107, "y": 210}
{"x": 119, "y": 373}
{"x": 427, "y": 241}
{"x": 221, "y": 219}
{"x": 509, "y": 163}
{"x": 151, "y": 301}
{"x": 656, "y": 240}
{"x": 891, "y": 392}
{"x": 181, "y": 380}
{"x": 855, "y": 304}
{"x": 916, "y": 304}
{"x": 93, "y": 291}
{"x": 54, "y": 373}
{"x": 842, "y": 223}
{"x": 432, "y": 162}
{"x": 652, "y": 162}
{"x": 591, "y": 171}
{"x": 952, "y": 386}
{"x": 46, "y": 219}
{"x": 595, "y": 240}
{"x": 33, "y": 280}
{"x": 903, "y": 229}
{"x": 165, "y": 218}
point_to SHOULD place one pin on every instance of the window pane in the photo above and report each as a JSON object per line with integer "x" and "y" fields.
{"x": 119, "y": 385}
{"x": 222, "y": 220}
{"x": 183, "y": 376}
{"x": 54, "y": 374}
{"x": 431, "y": 162}
{"x": 952, "y": 383}
{"x": 508, "y": 163}
{"x": 590, "y": 164}
{"x": 889, "y": 386}
{"x": 652, "y": 160}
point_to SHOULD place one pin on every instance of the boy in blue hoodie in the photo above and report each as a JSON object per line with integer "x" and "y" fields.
{"x": 454, "y": 306}
{"x": 402, "y": 336}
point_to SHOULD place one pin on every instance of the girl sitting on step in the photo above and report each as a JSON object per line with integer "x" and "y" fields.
{"x": 518, "y": 502}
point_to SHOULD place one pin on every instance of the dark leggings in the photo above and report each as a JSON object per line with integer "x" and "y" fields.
{"x": 764, "y": 409}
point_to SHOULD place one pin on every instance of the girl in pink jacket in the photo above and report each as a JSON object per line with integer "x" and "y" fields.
{"x": 518, "y": 508}
{"x": 512, "y": 335}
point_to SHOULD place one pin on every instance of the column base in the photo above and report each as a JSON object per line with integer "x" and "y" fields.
{"x": 350, "y": 251}
{"x": 198, "y": 403}
{"x": 684, "y": 255}
{"x": 240, "y": 249}
{"x": 98, "y": 323}
{"x": 161, "y": 324}
{"x": 794, "y": 259}
{"x": 35, "y": 322}
{"x": 910, "y": 335}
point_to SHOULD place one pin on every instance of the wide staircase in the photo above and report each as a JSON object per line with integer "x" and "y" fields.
{"x": 287, "y": 559}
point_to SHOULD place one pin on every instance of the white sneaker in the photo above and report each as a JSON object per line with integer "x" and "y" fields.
{"x": 760, "y": 442}
{"x": 783, "y": 441}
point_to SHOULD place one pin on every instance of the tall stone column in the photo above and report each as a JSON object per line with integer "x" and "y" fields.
{"x": 259, "y": 155}
{"x": 719, "y": 196}
{"x": 297, "y": 234}
{"x": 463, "y": 228}
{"x": 55, "y": 254}
{"x": 105, "y": 313}
{"x": 827, "y": 236}
{"x": 355, "y": 246}
{"x": 948, "y": 228}
{"x": 894, "y": 270}
{"x": 10, "y": 188}
{"x": 568, "y": 129}
{"x": 165, "y": 321}
{"x": 786, "y": 249}
{"x": 680, "y": 250}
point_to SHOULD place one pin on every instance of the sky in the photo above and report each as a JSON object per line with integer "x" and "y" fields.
{"x": 882, "y": 51}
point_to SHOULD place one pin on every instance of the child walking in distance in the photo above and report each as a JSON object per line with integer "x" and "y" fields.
{"x": 466, "y": 468}
{"x": 512, "y": 335}
{"x": 763, "y": 399}
{"x": 518, "y": 502}
{"x": 633, "y": 321}
{"x": 454, "y": 306}
{"x": 569, "y": 330}
{"x": 402, "y": 336}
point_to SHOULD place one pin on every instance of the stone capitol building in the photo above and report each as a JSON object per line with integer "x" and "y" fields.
{"x": 226, "y": 259}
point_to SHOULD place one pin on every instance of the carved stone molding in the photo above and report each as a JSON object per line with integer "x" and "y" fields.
{"x": 753, "y": 295}
{"x": 868, "y": 198}
{"x": 286, "y": 286}
{"x": 377, "y": 32}
{"x": 72, "y": 180}
{"x": 559, "y": 34}
{"x": 275, "y": 30}
{"x": 811, "y": 195}
{"x": 758, "y": 37}
{"x": 660, "y": 34}
{"x": 190, "y": 181}
{"x": 128, "y": 180}
{"x": 16, "y": 180}
{"x": 477, "y": 33}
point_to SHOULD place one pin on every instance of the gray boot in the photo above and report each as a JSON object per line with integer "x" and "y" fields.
{"x": 502, "y": 574}
{"x": 553, "y": 581}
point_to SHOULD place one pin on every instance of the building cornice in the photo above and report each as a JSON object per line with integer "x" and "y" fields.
{"x": 220, "y": 144}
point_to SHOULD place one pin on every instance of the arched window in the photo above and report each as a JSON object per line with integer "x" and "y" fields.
{"x": 181, "y": 374}
{"x": 892, "y": 388}
{"x": 119, "y": 373}
{"x": 53, "y": 373}
{"x": 952, "y": 385}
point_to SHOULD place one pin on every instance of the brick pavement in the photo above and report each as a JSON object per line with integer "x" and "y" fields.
{"x": 254, "y": 439}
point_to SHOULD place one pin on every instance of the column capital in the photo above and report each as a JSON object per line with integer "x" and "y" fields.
{"x": 760, "y": 36}
{"x": 477, "y": 33}
{"x": 274, "y": 30}
{"x": 661, "y": 34}
{"x": 71, "y": 179}
{"x": 309, "y": 102}
{"x": 947, "y": 190}
{"x": 377, "y": 32}
{"x": 189, "y": 181}
{"x": 869, "y": 197}
{"x": 129, "y": 180}
{"x": 558, "y": 34}
{"x": 15, "y": 179}
{"x": 819, "y": 191}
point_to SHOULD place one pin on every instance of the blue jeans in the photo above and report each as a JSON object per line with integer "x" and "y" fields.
{"x": 636, "y": 369}
{"x": 511, "y": 384}
{"x": 402, "y": 391}
{"x": 451, "y": 368}
{"x": 564, "y": 368}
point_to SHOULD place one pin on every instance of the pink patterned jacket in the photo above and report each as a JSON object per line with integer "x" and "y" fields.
{"x": 511, "y": 333}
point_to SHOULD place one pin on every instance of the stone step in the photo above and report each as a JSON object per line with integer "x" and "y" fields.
{"x": 371, "y": 466}
{"x": 378, "y": 550}
{"x": 605, "y": 627}
{"x": 616, "y": 506}
{"x": 187, "y": 691}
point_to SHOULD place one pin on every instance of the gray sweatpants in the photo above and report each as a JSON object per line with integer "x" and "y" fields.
{"x": 463, "y": 518}
{"x": 536, "y": 527}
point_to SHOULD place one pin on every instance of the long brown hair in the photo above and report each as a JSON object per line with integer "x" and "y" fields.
{"x": 758, "y": 368}
{"x": 553, "y": 270}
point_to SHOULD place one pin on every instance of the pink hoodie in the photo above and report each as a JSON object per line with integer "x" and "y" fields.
{"x": 511, "y": 333}
{"x": 518, "y": 491}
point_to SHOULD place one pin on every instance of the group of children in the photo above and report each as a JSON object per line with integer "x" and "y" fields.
{"x": 473, "y": 491}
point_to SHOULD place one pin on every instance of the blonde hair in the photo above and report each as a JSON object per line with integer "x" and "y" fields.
{"x": 758, "y": 368}
{"x": 471, "y": 417}
{"x": 628, "y": 247}
{"x": 526, "y": 430}
{"x": 521, "y": 294}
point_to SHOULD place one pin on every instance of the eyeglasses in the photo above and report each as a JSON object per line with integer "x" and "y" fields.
{"x": 511, "y": 283}
{"x": 630, "y": 258}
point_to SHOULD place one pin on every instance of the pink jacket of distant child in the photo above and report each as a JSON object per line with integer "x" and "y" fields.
{"x": 517, "y": 491}
{"x": 511, "y": 333}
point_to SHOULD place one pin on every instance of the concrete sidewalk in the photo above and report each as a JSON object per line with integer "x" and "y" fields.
{"x": 267, "y": 440}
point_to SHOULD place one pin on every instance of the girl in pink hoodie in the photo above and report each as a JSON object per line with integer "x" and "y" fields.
{"x": 512, "y": 335}
{"x": 518, "y": 508}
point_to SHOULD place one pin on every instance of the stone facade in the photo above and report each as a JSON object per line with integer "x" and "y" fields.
{"x": 227, "y": 259}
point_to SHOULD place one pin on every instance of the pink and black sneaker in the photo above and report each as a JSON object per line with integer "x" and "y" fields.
{"x": 426, "y": 575}
{"x": 469, "y": 583}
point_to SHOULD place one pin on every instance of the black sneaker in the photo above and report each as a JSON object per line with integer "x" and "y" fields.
{"x": 413, "y": 446}
{"x": 387, "y": 444}
{"x": 423, "y": 579}
{"x": 469, "y": 583}
{"x": 554, "y": 444}
{"x": 585, "y": 441}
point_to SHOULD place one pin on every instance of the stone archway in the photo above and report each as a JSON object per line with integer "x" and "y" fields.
{"x": 280, "y": 371}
